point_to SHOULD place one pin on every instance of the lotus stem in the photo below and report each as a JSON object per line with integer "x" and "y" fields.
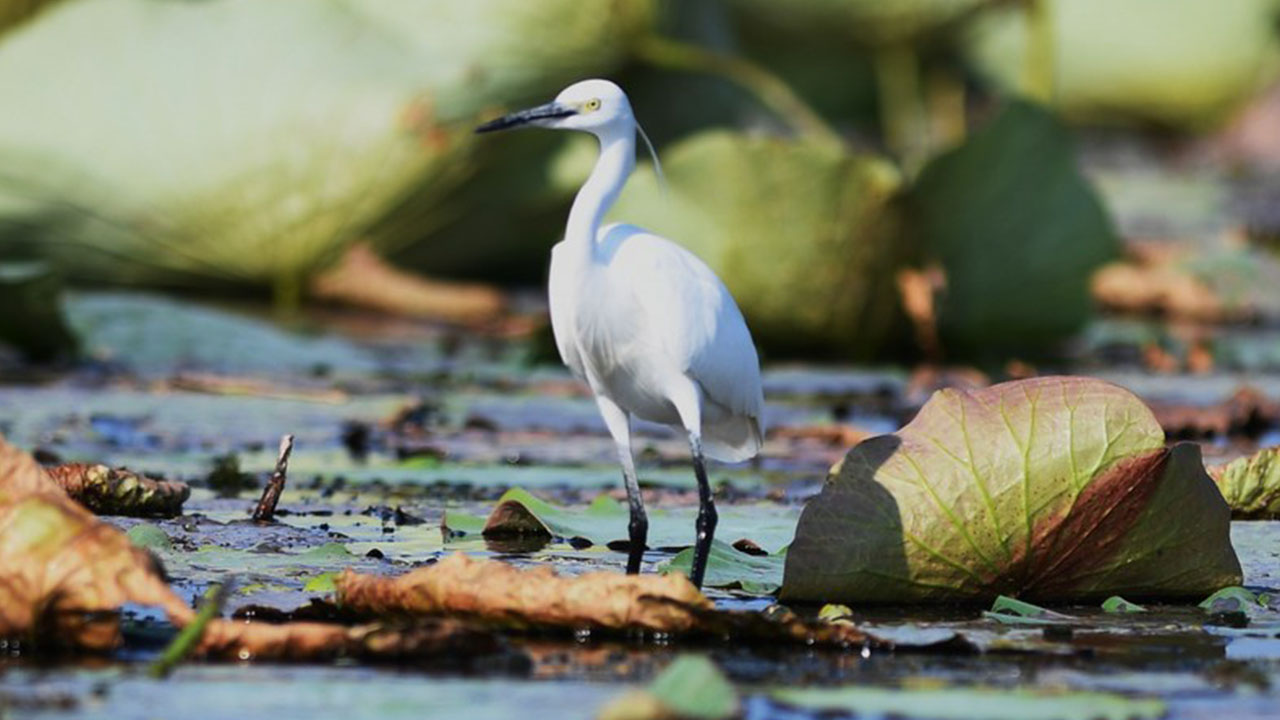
{"x": 767, "y": 87}
{"x": 902, "y": 114}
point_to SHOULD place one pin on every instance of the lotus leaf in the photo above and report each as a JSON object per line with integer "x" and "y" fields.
{"x": 1051, "y": 489}
{"x": 804, "y": 236}
{"x": 1019, "y": 232}
{"x": 183, "y": 141}
{"x": 1185, "y": 63}
{"x": 1251, "y": 485}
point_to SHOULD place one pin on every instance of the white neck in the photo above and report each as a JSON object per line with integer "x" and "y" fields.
{"x": 617, "y": 159}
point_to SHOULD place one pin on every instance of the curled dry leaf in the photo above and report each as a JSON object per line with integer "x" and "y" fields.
{"x": 1053, "y": 488}
{"x": 500, "y": 593}
{"x": 64, "y": 573}
{"x": 118, "y": 491}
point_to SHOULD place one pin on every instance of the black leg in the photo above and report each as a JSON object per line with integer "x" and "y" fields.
{"x": 639, "y": 533}
{"x": 706, "y": 524}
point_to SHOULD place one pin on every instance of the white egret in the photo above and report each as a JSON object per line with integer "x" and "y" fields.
{"x": 644, "y": 322}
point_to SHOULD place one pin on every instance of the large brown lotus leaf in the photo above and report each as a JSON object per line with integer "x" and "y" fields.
{"x": 63, "y": 573}
{"x": 1052, "y": 489}
{"x": 117, "y": 491}
{"x": 500, "y": 593}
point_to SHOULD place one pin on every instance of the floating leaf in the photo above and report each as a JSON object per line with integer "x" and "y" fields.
{"x": 732, "y": 199}
{"x": 1055, "y": 488}
{"x": 1117, "y": 604}
{"x": 728, "y": 567}
{"x": 1012, "y": 197}
{"x": 972, "y": 703}
{"x": 1251, "y": 485}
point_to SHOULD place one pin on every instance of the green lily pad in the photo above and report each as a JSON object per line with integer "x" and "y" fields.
{"x": 1117, "y": 604}
{"x": 973, "y": 703}
{"x": 871, "y": 22}
{"x": 1251, "y": 485}
{"x": 730, "y": 568}
{"x": 322, "y": 584}
{"x": 1055, "y": 488}
{"x": 1019, "y": 232}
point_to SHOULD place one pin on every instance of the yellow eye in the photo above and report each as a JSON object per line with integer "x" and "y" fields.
{"x": 591, "y": 105}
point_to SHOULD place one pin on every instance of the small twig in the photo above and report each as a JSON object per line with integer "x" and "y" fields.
{"x": 189, "y": 638}
{"x": 266, "y": 509}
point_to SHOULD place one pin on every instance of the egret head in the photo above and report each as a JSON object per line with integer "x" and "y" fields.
{"x": 595, "y": 106}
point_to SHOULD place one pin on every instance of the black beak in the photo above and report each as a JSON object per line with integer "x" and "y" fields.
{"x": 524, "y": 117}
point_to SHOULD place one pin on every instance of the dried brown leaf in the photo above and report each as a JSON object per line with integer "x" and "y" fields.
{"x": 500, "y": 593}
{"x": 312, "y": 641}
{"x": 64, "y": 573}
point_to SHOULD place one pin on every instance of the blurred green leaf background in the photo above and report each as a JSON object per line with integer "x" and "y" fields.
{"x": 820, "y": 153}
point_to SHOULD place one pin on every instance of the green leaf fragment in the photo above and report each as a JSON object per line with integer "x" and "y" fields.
{"x": 149, "y": 537}
{"x": 693, "y": 687}
{"x": 1117, "y": 604}
{"x": 972, "y": 703}
{"x": 322, "y": 584}
{"x": 1231, "y": 599}
{"x": 1017, "y": 612}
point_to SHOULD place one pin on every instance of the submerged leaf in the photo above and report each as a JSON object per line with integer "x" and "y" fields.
{"x": 1054, "y": 488}
{"x": 1251, "y": 485}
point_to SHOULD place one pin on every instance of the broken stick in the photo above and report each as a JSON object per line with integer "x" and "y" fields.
{"x": 266, "y": 510}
